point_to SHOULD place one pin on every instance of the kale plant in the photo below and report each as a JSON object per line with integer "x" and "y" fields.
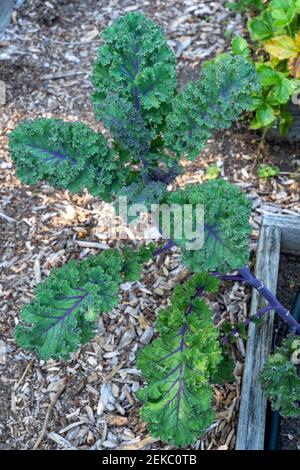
{"x": 152, "y": 126}
{"x": 281, "y": 378}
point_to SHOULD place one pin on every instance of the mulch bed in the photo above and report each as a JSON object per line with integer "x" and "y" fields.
{"x": 46, "y": 58}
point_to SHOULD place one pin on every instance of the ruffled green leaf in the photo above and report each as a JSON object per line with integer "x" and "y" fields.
{"x": 143, "y": 193}
{"x": 126, "y": 125}
{"x": 261, "y": 27}
{"x": 240, "y": 46}
{"x": 178, "y": 366}
{"x": 67, "y": 304}
{"x": 226, "y": 226}
{"x": 214, "y": 102}
{"x": 136, "y": 63}
{"x": 133, "y": 261}
{"x": 66, "y": 155}
{"x": 224, "y": 371}
{"x": 280, "y": 378}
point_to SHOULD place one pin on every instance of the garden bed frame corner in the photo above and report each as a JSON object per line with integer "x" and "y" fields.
{"x": 279, "y": 233}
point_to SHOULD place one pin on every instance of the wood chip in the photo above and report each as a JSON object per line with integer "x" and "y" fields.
{"x": 61, "y": 441}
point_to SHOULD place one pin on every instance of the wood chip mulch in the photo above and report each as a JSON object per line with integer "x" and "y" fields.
{"x": 45, "y": 58}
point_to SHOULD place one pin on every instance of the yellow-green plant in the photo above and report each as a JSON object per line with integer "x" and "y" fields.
{"x": 277, "y": 30}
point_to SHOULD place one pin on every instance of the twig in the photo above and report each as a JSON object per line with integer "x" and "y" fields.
{"x": 87, "y": 244}
{"x": 115, "y": 370}
{"x": 24, "y": 374}
{"x": 50, "y": 408}
{"x": 260, "y": 147}
{"x": 5, "y": 217}
{"x": 56, "y": 76}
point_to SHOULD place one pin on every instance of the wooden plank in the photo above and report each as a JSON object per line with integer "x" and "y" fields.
{"x": 290, "y": 230}
{"x": 6, "y": 8}
{"x": 252, "y": 417}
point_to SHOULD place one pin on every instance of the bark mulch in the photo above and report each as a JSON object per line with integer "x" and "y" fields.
{"x": 45, "y": 58}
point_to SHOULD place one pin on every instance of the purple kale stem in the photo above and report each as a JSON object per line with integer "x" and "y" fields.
{"x": 262, "y": 311}
{"x": 179, "y": 392}
{"x": 246, "y": 276}
{"x": 68, "y": 312}
{"x": 227, "y": 277}
{"x": 166, "y": 247}
{"x": 252, "y": 280}
{"x": 180, "y": 379}
{"x": 259, "y": 313}
{"x": 183, "y": 332}
{"x": 72, "y": 297}
{"x": 171, "y": 372}
{"x": 170, "y": 388}
{"x": 169, "y": 355}
{"x": 54, "y": 155}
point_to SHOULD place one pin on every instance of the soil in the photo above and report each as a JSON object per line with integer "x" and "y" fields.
{"x": 288, "y": 286}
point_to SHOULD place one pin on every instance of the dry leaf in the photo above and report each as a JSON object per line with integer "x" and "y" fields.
{"x": 116, "y": 420}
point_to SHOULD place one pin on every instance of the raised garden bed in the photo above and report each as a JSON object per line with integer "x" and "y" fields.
{"x": 279, "y": 233}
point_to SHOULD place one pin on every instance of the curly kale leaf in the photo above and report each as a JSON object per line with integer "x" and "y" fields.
{"x": 133, "y": 261}
{"x": 145, "y": 193}
{"x": 66, "y": 306}
{"x": 224, "y": 371}
{"x": 226, "y": 226}
{"x": 280, "y": 378}
{"x": 178, "y": 367}
{"x": 136, "y": 63}
{"x": 126, "y": 125}
{"x": 214, "y": 102}
{"x": 67, "y": 155}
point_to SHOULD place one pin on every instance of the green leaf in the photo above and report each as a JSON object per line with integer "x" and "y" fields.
{"x": 67, "y": 303}
{"x": 265, "y": 115}
{"x": 126, "y": 125}
{"x": 214, "y": 102}
{"x": 136, "y": 64}
{"x": 261, "y": 27}
{"x": 283, "y": 12}
{"x": 141, "y": 194}
{"x": 257, "y": 102}
{"x": 282, "y": 92}
{"x": 267, "y": 171}
{"x": 66, "y": 155}
{"x": 268, "y": 75}
{"x": 297, "y": 6}
{"x": 240, "y": 46}
{"x": 226, "y": 226}
{"x": 212, "y": 172}
{"x": 280, "y": 4}
{"x": 285, "y": 122}
{"x": 224, "y": 371}
{"x": 178, "y": 367}
{"x": 133, "y": 261}
{"x": 280, "y": 379}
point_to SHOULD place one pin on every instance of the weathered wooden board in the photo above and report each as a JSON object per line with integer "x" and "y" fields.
{"x": 252, "y": 417}
{"x": 6, "y": 8}
{"x": 290, "y": 230}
